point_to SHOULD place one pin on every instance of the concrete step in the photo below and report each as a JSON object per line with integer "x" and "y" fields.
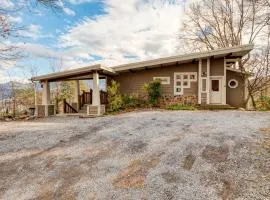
{"x": 216, "y": 107}
{"x": 82, "y": 111}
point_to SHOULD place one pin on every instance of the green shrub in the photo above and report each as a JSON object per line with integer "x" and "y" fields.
{"x": 130, "y": 101}
{"x": 181, "y": 107}
{"x": 115, "y": 101}
{"x": 154, "y": 91}
{"x": 263, "y": 104}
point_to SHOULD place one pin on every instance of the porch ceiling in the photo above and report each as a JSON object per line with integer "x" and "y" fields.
{"x": 76, "y": 74}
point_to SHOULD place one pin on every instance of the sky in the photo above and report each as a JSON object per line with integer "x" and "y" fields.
{"x": 85, "y": 32}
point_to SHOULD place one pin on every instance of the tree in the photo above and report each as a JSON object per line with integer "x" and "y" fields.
{"x": 8, "y": 52}
{"x": 213, "y": 24}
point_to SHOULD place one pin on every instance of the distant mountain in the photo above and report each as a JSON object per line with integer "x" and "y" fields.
{"x": 6, "y": 88}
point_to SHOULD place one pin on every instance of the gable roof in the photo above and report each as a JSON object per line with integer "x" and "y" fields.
{"x": 236, "y": 51}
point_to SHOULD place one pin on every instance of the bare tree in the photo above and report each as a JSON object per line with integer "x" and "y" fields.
{"x": 8, "y": 29}
{"x": 213, "y": 24}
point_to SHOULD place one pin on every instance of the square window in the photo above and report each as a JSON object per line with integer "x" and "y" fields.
{"x": 178, "y": 76}
{"x": 185, "y": 77}
{"x": 192, "y": 77}
{"x": 178, "y": 83}
{"x": 185, "y": 83}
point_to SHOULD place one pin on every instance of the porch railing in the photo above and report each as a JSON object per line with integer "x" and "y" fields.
{"x": 86, "y": 98}
{"x": 68, "y": 108}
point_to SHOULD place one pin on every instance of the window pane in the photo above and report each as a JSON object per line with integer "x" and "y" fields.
{"x": 232, "y": 83}
{"x": 178, "y": 76}
{"x": 178, "y": 83}
{"x": 215, "y": 85}
{"x": 185, "y": 77}
{"x": 178, "y": 89}
{"x": 192, "y": 77}
{"x": 204, "y": 85}
{"x": 185, "y": 83}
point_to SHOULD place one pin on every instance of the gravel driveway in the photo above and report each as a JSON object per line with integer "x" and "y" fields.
{"x": 139, "y": 155}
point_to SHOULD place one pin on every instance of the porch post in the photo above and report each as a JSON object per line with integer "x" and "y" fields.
{"x": 200, "y": 82}
{"x": 96, "y": 92}
{"x": 36, "y": 100}
{"x": 208, "y": 81}
{"x": 46, "y": 96}
{"x": 77, "y": 94}
{"x": 224, "y": 84}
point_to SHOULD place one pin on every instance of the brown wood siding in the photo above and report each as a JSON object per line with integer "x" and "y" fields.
{"x": 235, "y": 96}
{"x": 132, "y": 82}
{"x": 217, "y": 67}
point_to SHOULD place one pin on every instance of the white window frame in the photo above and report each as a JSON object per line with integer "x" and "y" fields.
{"x": 182, "y": 74}
{"x": 175, "y": 86}
{"x": 195, "y": 75}
{"x": 167, "y": 82}
{"x": 236, "y": 83}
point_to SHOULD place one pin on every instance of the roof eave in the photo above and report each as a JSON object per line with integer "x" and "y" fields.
{"x": 185, "y": 57}
{"x": 89, "y": 69}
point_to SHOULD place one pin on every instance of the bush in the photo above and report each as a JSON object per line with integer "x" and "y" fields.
{"x": 130, "y": 101}
{"x": 181, "y": 107}
{"x": 115, "y": 101}
{"x": 153, "y": 90}
{"x": 263, "y": 104}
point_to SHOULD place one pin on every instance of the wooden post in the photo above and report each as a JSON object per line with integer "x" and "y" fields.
{"x": 64, "y": 106}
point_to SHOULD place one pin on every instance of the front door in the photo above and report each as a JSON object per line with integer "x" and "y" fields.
{"x": 216, "y": 90}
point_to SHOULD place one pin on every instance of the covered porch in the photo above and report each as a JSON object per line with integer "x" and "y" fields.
{"x": 91, "y": 102}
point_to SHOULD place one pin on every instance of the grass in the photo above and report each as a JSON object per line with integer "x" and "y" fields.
{"x": 181, "y": 107}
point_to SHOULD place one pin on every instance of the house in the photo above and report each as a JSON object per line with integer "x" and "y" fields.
{"x": 205, "y": 78}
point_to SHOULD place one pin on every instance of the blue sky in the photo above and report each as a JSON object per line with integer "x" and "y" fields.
{"x": 86, "y": 32}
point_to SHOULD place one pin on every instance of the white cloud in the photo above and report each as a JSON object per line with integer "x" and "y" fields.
{"x": 80, "y": 1}
{"x": 6, "y": 77}
{"x": 34, "y": 31}
{"x": 14, "y": 19}
{"x": 6, "y": 4}
{"x": 135, "y": 29}
{"x": 66, "y": 10}
{"x": 69, "y": 11}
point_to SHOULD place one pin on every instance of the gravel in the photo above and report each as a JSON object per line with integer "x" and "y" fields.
{"x": 138, "y": 155}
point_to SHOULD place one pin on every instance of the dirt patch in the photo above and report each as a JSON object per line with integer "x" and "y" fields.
{"x": 266, "y": 138}
{"x": 6, "y": 137}
{"x": 189, "y": 161}
{"x": 46, "y": 190}
{"x": 215, "y": 154}
{"x": 170, "y": 177}
{"x": 134, "y": 175}
{"x": 176, "y": 138}
{"x": 69, "y": 176}
{"x": 137, "y": 146}
{"x": 227, "y": 190}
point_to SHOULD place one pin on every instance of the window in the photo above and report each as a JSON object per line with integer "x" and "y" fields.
{"x": 204, "y": 85}
{"x": 233, "y": 83}
{"x": 178, "y": 83}
{"x": 192, "y": 77}
{"x": 185, "y": 83}
{"x": 183, "y": 80}
{"x": 215, "y": 85}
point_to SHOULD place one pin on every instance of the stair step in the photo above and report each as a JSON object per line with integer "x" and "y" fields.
{"x": 217, "y": 107}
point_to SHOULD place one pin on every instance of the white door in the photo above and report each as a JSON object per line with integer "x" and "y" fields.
{"x": 216, "y": 90}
